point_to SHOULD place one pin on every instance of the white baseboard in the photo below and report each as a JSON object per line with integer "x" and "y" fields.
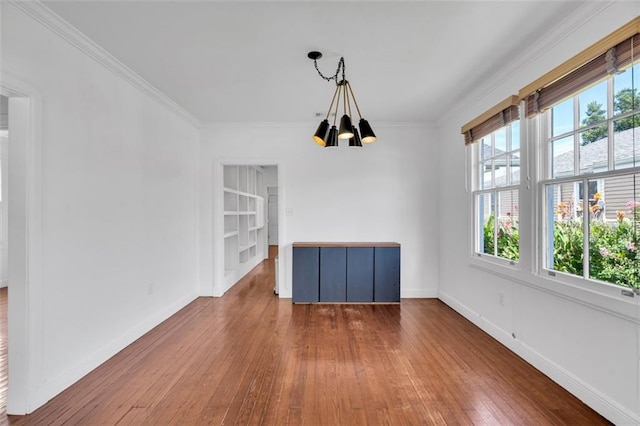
{"x": 420, "y": 293}
{"x": 206, "y": 292}
{"x": 607, "y": 407}
{"x": 50, "y": 388}
{"x": 234, "y": 277}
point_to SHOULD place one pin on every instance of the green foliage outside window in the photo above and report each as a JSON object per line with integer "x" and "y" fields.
{"x": 625, "y": 100}
{"x": 614, "y": 247}
{"x": 568, "y": 246}
{"x": 508, "y": 237}
{"x": 594, "y": 114}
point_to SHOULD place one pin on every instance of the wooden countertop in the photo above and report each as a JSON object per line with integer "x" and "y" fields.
{"x": 352, "y": 244}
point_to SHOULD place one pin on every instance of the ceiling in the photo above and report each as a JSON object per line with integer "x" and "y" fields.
{"x": 241, "y": 61}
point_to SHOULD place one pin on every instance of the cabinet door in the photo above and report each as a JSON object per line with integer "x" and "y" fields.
{"x": 306, "y": 274}
{"x": 387, "y": 274}
{"x": 333, "y": 274}
{"x": 360, "y": 274}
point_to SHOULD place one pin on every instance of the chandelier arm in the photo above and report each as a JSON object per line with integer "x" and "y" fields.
{"x": 335, "y": 116}
{"x": 348, "y": 100}
{"x": 354, "y": 100}
{"x": 344, "y": 97}
{"x": 331, "y": 105}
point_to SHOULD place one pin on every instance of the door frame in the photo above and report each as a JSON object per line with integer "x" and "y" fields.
{"x": 26, "y": 301}
{"x": 278, "y": 216}
{"x": 217, "y": 286}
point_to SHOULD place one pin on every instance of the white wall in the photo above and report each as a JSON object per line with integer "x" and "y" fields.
{"x": 381, "y": 192}
{"x": 118, "y": 211}
{"x": 591, "y": 351}
{"x": 270, "y": 176}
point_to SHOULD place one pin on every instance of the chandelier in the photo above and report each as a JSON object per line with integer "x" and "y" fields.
{"x": 328, "y": 137}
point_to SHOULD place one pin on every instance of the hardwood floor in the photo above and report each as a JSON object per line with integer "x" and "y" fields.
{"x": 250, "y": 358}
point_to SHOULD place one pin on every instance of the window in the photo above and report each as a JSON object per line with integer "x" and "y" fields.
{"x": 496, "y": 180}
{"x": 498, "y": 169}
{"x": 591, "y": 139}
{"x": 582, "y": 189}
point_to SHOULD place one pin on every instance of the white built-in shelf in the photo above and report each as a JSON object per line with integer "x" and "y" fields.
{"x": 243, "y": 207}
{"x": 242, "y": 193}
{"x": 246, "y": 247}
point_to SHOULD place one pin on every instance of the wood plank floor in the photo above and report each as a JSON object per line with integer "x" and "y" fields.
{"x": 249, "y": 358}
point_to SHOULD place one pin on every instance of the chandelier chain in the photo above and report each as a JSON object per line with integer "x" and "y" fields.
{"x": 334, "y": 77}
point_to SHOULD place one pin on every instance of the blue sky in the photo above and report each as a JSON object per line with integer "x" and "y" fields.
{"x": 562, "y": 114}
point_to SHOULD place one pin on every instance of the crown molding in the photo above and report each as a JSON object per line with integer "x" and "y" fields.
{"x": 567, "y": 26}
{"x": 49, "y": 19}
{"x": 308, "y": 125}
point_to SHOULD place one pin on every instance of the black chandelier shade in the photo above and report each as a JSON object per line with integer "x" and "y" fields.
{"x": 332, "y": 139}
{"x": 346, "y": 129}
{"x": 355, "y": 140}
{"x": 320, "y": 137}
{"x": 329, "y": 137}
{"x": 367, "y": 133}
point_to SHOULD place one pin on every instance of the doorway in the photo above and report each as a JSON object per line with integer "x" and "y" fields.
{"x": 243, "y": 229}
{"x": 272, "y": 217}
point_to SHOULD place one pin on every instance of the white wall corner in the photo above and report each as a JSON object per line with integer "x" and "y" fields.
{"x": 56, "y": 385}
{"x": 418, "y": 293}
{"x": 48, "y": 18}
{"x": 536, "y": 49}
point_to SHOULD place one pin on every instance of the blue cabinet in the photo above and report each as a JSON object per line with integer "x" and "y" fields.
{"x": 386, "y": 282}
{"x": 346, "y": 272}
{"x": 360, "y": 274}
{"x": 306, "y": 274}
{"x": 333, "y": 274}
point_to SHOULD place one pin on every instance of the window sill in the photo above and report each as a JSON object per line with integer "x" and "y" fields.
{"x": 602, "y": 297}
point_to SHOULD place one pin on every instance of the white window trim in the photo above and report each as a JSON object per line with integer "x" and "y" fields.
{"x": 601, "y": 296}
{"x": 473, "y": 181}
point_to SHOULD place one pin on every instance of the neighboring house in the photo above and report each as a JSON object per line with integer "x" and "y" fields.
{"x": 615, "y": 191}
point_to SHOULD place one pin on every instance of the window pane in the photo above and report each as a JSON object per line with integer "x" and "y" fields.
{"x": 593, "y": 104}
{"x": 626, "y": 140}
{"x": 562, "y": 152}
{"x": 500, "y": 138}
{"x": 564, "y": 237}
{"x": 500, "y": 167}
{"x": 508, "y": 233}
{"x": 593, "y": 155}
{"x": 515, "y": 168}
{"x": 614, "y": 232}
{"x": 562, "y": 118}
{"x": 626, "y": 96}
{"x": 515, "y": 135}
{"x": 486, "y": 148}
{"x": 593, "y": 135}
{"x": 486, "y": 170}
{"x": 486, "y": 224}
